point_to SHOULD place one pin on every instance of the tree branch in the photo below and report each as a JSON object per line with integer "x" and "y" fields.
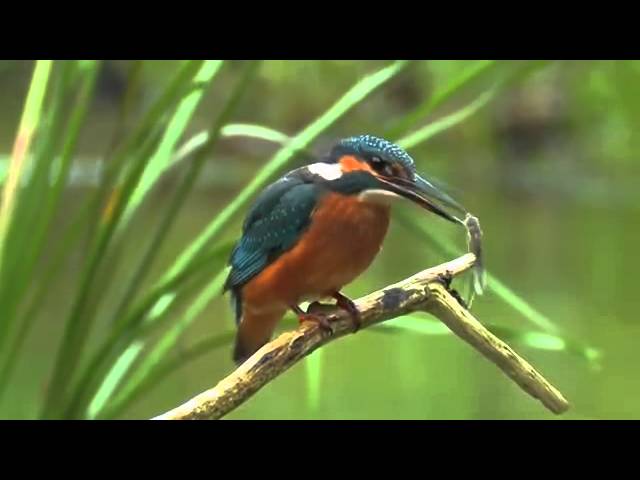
{"x": 424, "y": 291}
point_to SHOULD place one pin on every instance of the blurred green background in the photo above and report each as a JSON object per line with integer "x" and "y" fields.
{"x": 544, "y": 153}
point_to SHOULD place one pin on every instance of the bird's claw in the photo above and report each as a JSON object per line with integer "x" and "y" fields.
{"x": 347, "y": 304}
{"x": 316, "y": 312}
{"x": 320, "y": 319}
{"x": 446, "y": 279}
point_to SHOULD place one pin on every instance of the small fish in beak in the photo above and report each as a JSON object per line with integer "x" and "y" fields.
{"x": 428, "y": 196}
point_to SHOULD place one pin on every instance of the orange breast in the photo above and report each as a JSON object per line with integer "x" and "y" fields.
{"x": 344, "y": 237}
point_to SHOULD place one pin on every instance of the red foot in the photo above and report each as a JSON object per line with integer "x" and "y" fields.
{"x": 343, "y": 302}
{"x": 320, "y": 319}
{"x": 347, "y": 304}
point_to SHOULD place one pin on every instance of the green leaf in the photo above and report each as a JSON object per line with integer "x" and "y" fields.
{"x": 24, "y": 191}
{"x": 28, "y": 125}
{"x": 112, "y": 380}
{"x": 231, "y": 130}
{"x": 167, "y": 366}
{"x": 255, "y": 131}
{"x": 142, "y": 322}
{"x": 82, "y": 315}
{"x": 29, "y": 122}
{"x": 422, "y": 325}
{"x": 313, "y": 366}
{"x": 48, "y": 208}
{"x": 494, "y": 285}
{"x": 161, "y": 159}
{"x": 446, "y": 122}
{"x": 93, "y": 374}
{"x": 169, "y": 339}
{"x": 440, "y": 96}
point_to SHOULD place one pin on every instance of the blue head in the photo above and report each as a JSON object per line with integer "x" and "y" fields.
{"x": 372, "y": 166}
{"x": 378, "y": 152}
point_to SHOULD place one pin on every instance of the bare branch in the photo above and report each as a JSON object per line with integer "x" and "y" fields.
{"x": 424, "y": 291}
{"x": 442, "y": 305}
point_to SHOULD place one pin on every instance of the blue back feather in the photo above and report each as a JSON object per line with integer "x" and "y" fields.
{"x": 275, "y": 223}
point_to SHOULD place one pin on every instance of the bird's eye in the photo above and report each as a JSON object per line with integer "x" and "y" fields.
{"x": 380, "y": 165}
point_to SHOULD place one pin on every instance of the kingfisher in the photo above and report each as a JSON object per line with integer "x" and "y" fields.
{"x": 316, "y": 229}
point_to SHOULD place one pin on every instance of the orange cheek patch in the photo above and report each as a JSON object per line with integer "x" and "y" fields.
{"x": 349, "y": 163}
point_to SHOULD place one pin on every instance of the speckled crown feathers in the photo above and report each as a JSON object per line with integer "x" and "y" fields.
{"x": 370, "y": 145}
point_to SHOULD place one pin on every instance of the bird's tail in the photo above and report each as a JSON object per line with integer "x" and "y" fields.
{"x": 254, "y": 330}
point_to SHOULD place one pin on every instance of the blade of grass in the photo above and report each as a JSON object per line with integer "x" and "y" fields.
{"x": 92, "y": 373}
{"x": 441, "y": 95}
{"x": 172, "y": 305}
{"x": 258, "y": 132}
{"x": 255, "y": 131}
{"x": 186, "y": 186}
{"x": 181, "y": 85}
{"x": 313, "y": 370}
{"x": 80, "y": 320}
{"x": 26, "y": 130}
{"x": 16, "y": 211}
{"x": 29, "y": 121}
{"x": 67, "y": 241}
{"x": 34, "y": 181}
{"x": 113, "y": 379}
{"x": 174, "y": 131}
{"x": 446, "y": 122}
{"x": 133, "y": 84}
{"x": 171, "y": 128}
{"x": 231, "y": 130}
{"x": 152, "y": 121}
{"x": 35, "y": 199}
{"x": 89, "y": 212}
{"x": 494, "y": 285}
{"x": 418, "y": 324}
{"x": 27, "y": 199}
{"x": 164, "y": 369}
{"x": 168, "y": 340}
{"x": 76, "y": 121}
{"x": 157, "y": 304}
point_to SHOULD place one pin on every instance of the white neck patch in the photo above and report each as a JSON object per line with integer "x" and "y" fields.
{"x": 379, "y": 197}
{"x": 328, "y": 171}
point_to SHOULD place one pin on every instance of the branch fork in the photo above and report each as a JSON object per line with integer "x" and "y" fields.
{"x": 425, "y": 291}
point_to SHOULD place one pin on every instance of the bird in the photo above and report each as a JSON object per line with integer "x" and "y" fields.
{"x": 316, "y": 229}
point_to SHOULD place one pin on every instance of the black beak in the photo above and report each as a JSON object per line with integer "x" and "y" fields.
{"x": 426, "y": 195}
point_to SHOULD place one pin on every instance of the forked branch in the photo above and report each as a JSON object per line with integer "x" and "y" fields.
{"x": 425, "y": 291}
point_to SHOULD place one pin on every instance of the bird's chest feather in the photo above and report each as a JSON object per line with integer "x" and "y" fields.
{"x": 344, "y": 237}
{"x": 346, "y": 234}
